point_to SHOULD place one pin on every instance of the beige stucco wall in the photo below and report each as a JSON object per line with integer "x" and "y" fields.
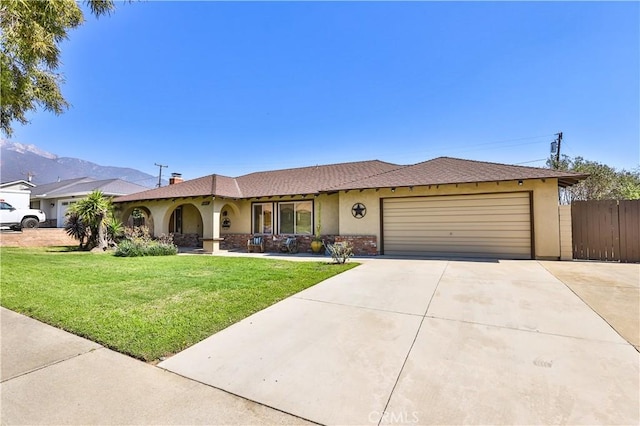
{"x": 326, "y": 210}
{"x": 337, "y": 217}
{"x": 239, "y": 212}
{"x": 566, "y": 236}
{"x": 191, "y": 220}
{"x": 545, "y": 208}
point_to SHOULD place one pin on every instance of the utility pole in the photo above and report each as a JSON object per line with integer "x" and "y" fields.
{"x": 559, "y": 135}
{"x": 555, "y": 148}
{"x": 160, "y": 175}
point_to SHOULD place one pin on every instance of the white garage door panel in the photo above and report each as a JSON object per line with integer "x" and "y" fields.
{"x": 489, "y": 225}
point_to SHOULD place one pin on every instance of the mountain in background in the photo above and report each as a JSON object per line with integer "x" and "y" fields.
{"x": 18, "y": 160}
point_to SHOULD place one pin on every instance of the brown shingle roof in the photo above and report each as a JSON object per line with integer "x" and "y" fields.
{"x": 303, "y": 180}
{"x": 308, "y": 180}
{"x": 356, "y": 175}
{"x": 188, "y": 188}
{"x": 446, "y": 170}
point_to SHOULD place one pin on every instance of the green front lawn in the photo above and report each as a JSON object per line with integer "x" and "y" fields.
{"x": 147, "y": 307}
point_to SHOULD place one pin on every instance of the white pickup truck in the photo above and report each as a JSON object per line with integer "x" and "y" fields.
{"x": 20, "y": 218}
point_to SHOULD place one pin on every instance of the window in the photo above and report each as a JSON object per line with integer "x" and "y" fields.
{"x": 262, "y": 218}
{"x": 175, "y": 222}
{"x": 295, "y": 218}
{"x": 138, "y": 217}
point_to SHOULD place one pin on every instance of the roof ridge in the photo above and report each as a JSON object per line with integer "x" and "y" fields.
{"x": 487, "y": 162}
{"x": 371, "y": 176}
{"x": 511, "y": 165}
{"x": 318, "y": 165}
{"x": 63, "y": 184}
{"x": 235, "y": 182}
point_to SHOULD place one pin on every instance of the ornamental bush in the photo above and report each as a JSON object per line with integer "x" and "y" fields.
{"x": 340, "y": 252}
{"x": 138, "y": 242}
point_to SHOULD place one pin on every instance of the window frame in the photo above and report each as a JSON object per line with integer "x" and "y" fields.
{"x": 253, "y": 218}
{"x": 275, "y": 216}
{"x": 295, "y": 216}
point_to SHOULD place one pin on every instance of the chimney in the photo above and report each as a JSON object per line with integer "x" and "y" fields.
{"x": 175, "y": 178}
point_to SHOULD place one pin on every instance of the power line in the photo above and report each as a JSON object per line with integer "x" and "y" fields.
{"x": 532, "y": 161}
{"x": 482, "y": 146}
{"x": 160, "y": 175}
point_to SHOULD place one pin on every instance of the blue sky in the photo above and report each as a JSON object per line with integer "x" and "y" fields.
{"x": 236, "y": 87}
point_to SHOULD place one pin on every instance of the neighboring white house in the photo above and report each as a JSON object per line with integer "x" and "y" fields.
{"x": 16, "y": 193}
{"x": 55, "y": 198}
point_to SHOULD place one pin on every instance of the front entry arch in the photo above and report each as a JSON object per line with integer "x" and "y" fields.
{"x": 185, "y": 223}
{"x": 138, "y": 216}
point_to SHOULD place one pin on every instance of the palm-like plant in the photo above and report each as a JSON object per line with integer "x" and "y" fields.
{"x": 114, "y": 228}
{"x": 93, "y": 210}
{"x": 75, "y": 227}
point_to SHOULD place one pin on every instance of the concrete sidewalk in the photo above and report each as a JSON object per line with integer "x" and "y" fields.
{"x": 49, "y": 376}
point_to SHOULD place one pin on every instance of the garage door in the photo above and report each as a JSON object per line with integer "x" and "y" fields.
{"x": 485, "y": 225}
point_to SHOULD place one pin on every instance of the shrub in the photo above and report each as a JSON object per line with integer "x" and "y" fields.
{"x": 114, "y": 229}
{"x": 138, "y": 242}
{"x": 340, "y": 252}
{"x": 138, "y": 234}
{"x": 128, "y": 248}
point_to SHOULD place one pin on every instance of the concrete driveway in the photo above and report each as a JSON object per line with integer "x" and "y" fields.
{"x": 612, "y": 290}
{"x": 428, "y": 342}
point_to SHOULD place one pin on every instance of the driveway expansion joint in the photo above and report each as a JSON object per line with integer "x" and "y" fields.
{"x": 404, "y": 363}
{"x": 589, "y": 306}
{"x": 357, "y": 306}
{"x": 524, "y": 330}
{"x": 191, "y": 379}
{"x": 42, "y": 367}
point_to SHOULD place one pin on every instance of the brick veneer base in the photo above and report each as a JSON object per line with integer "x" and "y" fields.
{"x": 363, "y": 245}
{"x": 187, "y": 240}
{"x": 41, "y": 237}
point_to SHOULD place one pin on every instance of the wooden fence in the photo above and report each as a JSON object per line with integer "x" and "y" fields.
{"x": 606, "y": 230}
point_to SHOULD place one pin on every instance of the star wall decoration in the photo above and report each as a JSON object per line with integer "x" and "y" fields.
{"x": 358, "y": 210}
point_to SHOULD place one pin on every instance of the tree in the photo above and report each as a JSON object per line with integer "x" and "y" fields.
{"x": 629, "y": 185}
{"x": 29, "y": 58}
{"x": 604, "y": 182}
{"x": 74, "y": 226}
{"x": 93, "y": 211}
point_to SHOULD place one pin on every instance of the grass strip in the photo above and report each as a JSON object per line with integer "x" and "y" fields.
{"x": 147, "y": 307}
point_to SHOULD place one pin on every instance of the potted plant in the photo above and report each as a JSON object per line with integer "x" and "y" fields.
{"x": 316, "y": 241}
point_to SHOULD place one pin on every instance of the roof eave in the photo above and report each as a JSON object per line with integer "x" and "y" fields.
{"x": 566, "y": 181}
{"x": 137, "y": 200}
{"x": 562, "y": 181}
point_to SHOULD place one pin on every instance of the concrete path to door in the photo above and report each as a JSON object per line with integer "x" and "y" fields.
{"x": 428, "y": 342}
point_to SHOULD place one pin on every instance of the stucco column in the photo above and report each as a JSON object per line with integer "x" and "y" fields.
{"x": 160, "y": 225}
{"x": 211, "y": 227}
